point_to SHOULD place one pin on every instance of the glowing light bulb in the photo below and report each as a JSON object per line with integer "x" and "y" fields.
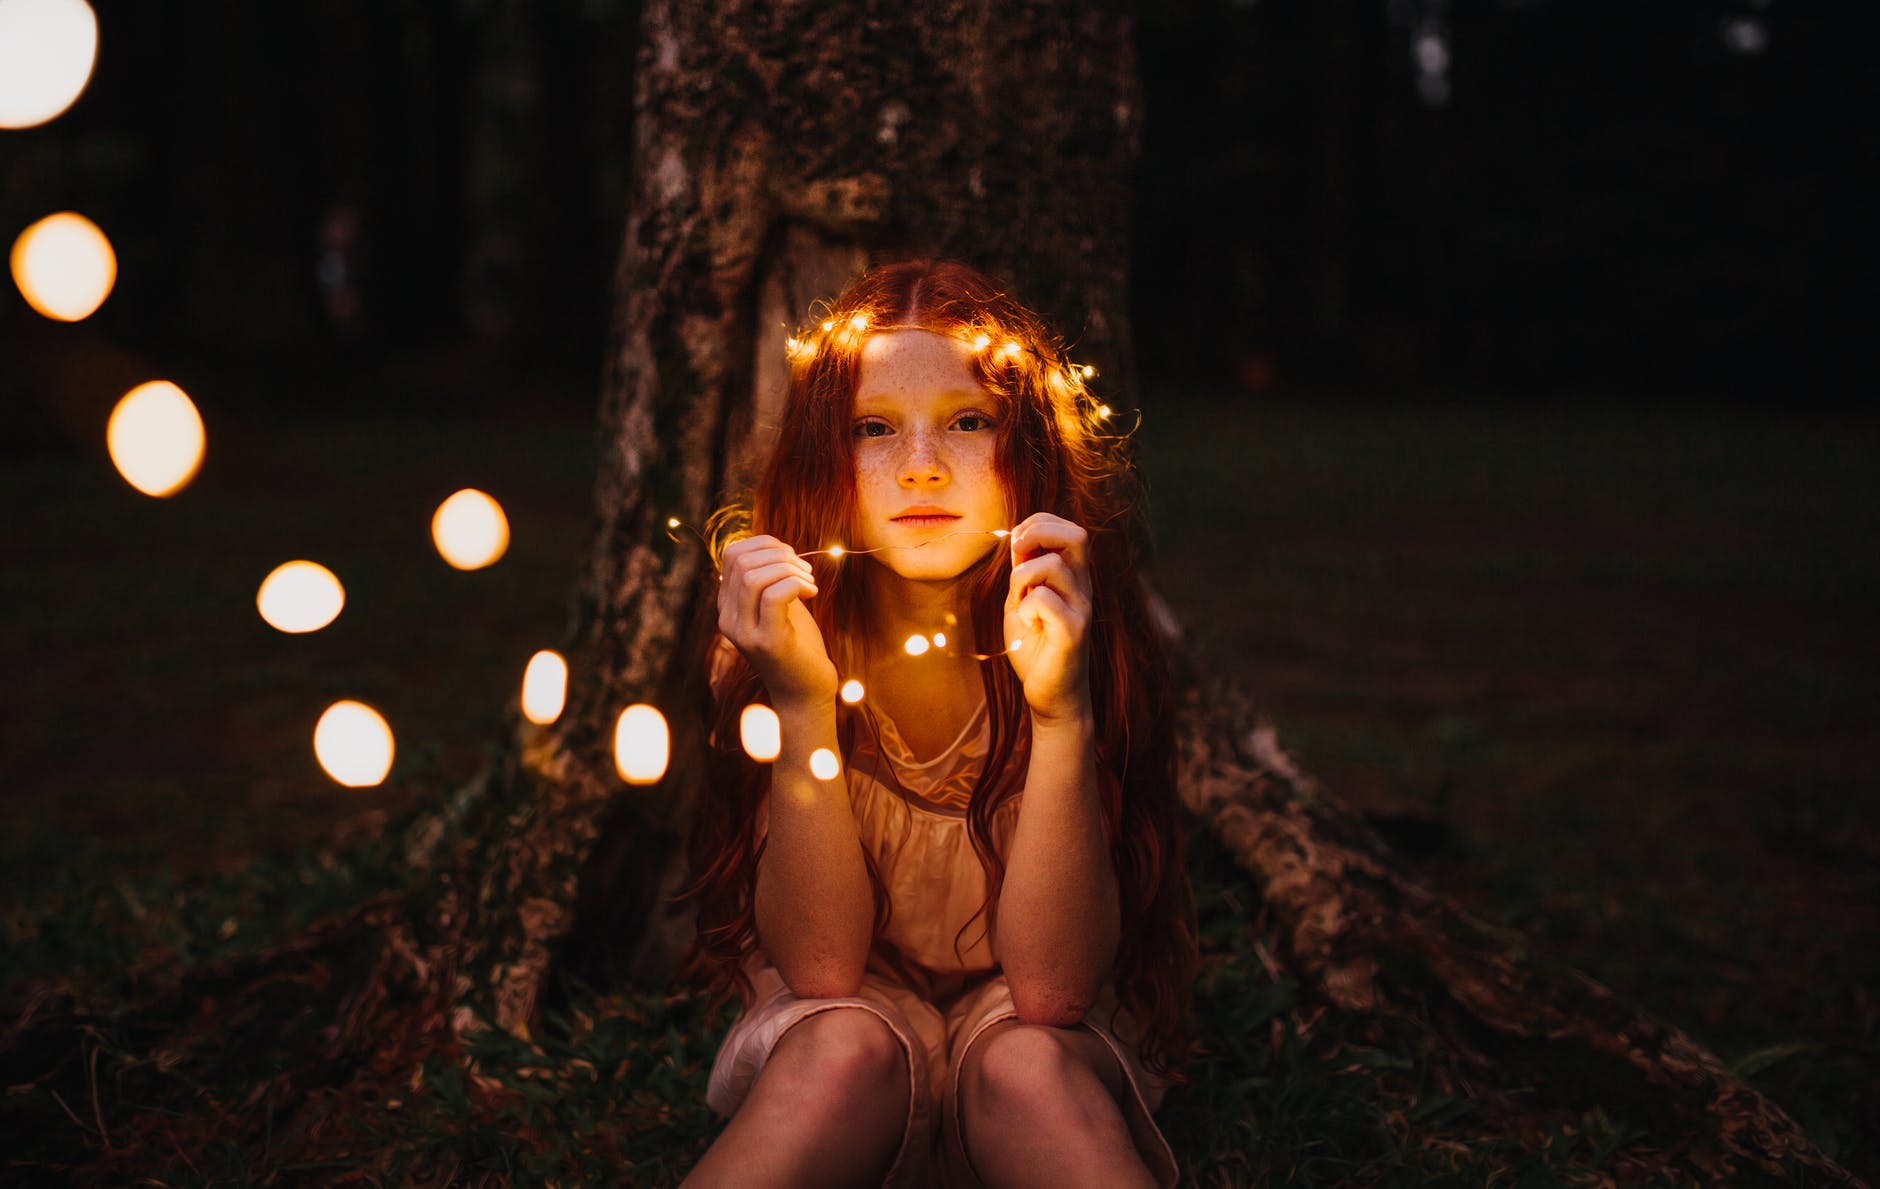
{"x": 916, "y": 645}
{"x": 1089, "y": 371}
{"x": 823, "y": 764}
{"x": 64, "y": 266}
{"x": 939, "y": 639}
{"x": 835, "y": 551}
{"x": 790, "y": 346}
{"x": 544, "y": 687}
{"x": 1011, "y": 348}
{"x": 980, "y": 343}
{"x": 761, "y": 732}
{"x": 353, "y": 744}
{"x": 852, "y": 691}
{"x": 859, "y": 322}
{"x": 1016, "y": 645}
{"x": 470, "y": 530}
{"x": 1001, "y": 532}
{"x": 672, "y": 522}
{"x": 641, "y": 744}
{"x": 300, "y": 596}
{"x": 828, "y": 326}
{"x": 47, "y": 50}
{"x": 155, "y": 438}
{"x": 1103, "y": 410}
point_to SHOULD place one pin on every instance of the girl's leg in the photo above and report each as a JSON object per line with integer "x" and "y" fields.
{"x": 828, "y": 1109}
{"x": 1040, "y": 1106}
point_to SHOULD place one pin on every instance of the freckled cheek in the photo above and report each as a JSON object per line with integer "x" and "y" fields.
{"x": 876, "y": 488}
{"x": 983, "y": 475}
{"x": 873, "y": 474}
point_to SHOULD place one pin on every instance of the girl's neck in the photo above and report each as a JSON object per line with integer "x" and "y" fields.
{"x": 895, "y": 608}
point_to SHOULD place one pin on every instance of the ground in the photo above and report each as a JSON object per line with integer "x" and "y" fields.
{"x": 1602, "y": 661}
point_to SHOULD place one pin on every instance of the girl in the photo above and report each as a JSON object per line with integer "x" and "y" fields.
{"x": 934, "y": 592}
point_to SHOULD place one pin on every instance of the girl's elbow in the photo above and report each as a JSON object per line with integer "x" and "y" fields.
{"x": 824, "y": 984}
{"x": 1043, "y": 1008}
{"x": 825, "y": 988}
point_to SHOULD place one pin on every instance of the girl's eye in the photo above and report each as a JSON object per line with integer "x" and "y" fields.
{"x": 972, "y": 421}
{"x": 871, "y": 429}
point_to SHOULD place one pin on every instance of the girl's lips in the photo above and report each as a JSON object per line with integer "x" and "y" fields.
{"x": 925, "y": 521}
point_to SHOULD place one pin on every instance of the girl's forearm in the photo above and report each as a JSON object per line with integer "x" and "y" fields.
{"x": 1059, "y": 916}
{"x": 814, "y": 905}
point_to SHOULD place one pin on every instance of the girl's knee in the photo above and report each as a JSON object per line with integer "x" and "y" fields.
{"x": 1014, "y": 1063}
{"x": 845, "y": 1048}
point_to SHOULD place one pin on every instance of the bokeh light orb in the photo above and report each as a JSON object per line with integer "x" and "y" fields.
{"x": 761, "y": 732}
{"x": 353, "y": 744}
{"x": 852, "y": 691}
{"x": 470, "y": 530}
{"x": 641, "y": 744}
{"x": 300, "y": 596}
{"x": 916, "y": 645}
{"x": 63, "y": 264}
{"x": 155, "y": 437}
{"x": 823, "y": 764}
{"x": 47, "y": 50}
{"x": 544, "y": 687}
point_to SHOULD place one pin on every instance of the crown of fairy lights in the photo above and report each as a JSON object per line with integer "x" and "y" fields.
{"x": 988, "y": 339}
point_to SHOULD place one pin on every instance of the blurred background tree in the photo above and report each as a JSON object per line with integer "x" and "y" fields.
{"x": 1519, "y": 195}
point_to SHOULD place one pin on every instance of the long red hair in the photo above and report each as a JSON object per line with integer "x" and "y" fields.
{"x": 1055, "y": 453}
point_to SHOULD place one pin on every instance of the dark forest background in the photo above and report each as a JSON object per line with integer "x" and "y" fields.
{"x": 1673, "y": 198}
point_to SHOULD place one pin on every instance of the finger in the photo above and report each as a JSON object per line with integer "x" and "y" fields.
{"x": 737, "y": 599}
{"x": 1047, "y": 570}
{"x": 754, "y": 562}
{"x": 775, "y": 602}
{"x": 1025, "y": 576}
{"x": 760, "y": 581}
{"x": 744, "y": 545}
{"x": 750, "y": 559}
{"x": 1042, "y": 532}
{"x": 1044, "y": 609}
{"x": 769, "y": 553}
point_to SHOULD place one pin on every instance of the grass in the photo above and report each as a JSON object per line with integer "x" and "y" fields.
{"x": 1619, "y": 652}
{"x": 1615, "y": 652}
{"x": 613, "y": 1092}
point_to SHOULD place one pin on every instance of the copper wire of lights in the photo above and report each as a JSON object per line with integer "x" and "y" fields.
{"x": 674, "y": 524}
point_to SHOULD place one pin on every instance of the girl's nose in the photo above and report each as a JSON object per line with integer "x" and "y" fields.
{"x": 922, "y": 464}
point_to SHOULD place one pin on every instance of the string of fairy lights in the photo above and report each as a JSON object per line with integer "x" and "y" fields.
{"x": 65, "y": 268}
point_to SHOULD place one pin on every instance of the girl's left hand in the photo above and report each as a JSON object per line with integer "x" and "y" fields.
{"x": 1047, "y": 616}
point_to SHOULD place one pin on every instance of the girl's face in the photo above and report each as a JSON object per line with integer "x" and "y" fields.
{"x": 925, "y": 433}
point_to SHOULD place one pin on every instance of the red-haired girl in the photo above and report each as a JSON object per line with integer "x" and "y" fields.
{"x": 971, "y": 836}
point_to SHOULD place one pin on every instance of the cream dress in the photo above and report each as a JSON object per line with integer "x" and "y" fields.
{"x": 912, "y": 818}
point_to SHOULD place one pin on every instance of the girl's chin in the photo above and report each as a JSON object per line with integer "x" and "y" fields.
{"x": 929, "y": 573}
{"x": 947, "y": 567}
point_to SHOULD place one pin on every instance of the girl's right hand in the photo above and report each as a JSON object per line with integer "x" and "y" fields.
{"x": 760, "y": 610}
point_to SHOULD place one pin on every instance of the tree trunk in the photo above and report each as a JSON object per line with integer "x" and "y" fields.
{"x": 774, "y": 151}
{"x": 776, "y": 147}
